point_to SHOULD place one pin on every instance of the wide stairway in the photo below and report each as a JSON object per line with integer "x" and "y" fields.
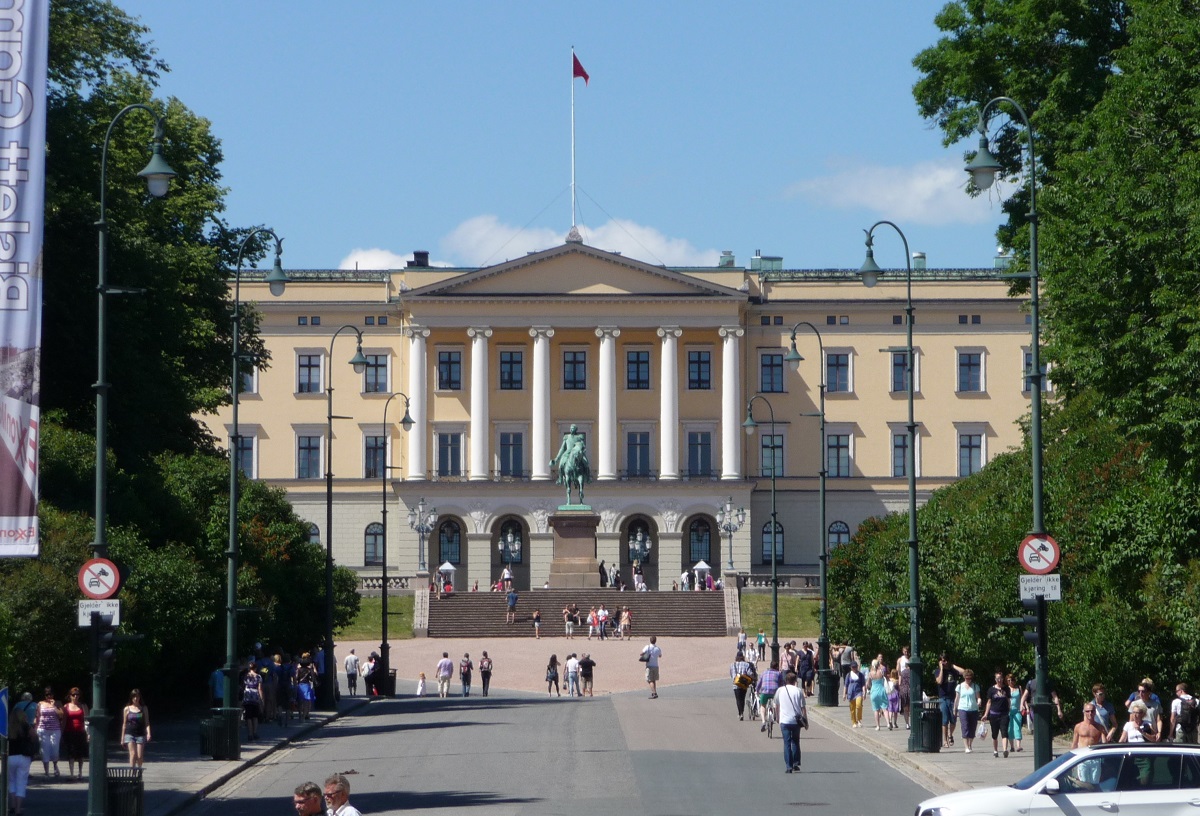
{"x": 482, "y": 614}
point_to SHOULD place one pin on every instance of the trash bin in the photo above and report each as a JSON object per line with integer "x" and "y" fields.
{"x": 828, "y": 684}
{"x": 931, "y": 727}
{"x": 125, "y": 792}
{"x": 219, "y": 734}
{"x": 390, "y": 689}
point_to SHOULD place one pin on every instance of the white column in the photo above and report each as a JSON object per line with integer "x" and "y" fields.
{"x": 540, "y": 444}
{"x": 606, "y": 449}
{"x": 480, "y": 425}
{"x": 668, "y": 410}
{"x": 731, "y": 387}
{"x": 417, "y": 402}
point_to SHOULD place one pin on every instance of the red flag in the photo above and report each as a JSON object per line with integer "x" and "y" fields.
{"x": 578, "y": 69}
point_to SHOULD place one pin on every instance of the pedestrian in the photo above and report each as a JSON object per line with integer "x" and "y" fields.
{"x": 805, "y": 663}
{"x": 1153, "y": 713}
{"x": 947, "y": 678}
{"x": 683, "y": 580}
{"x": 537, "y": 624}
{"x": 75, "y": 738}
{"x": 653, "y": 654}
{"x": 251, "y": 700}
{"x": 768, "y": 683}
{"x": 485, "y": 672}
{"x": 443, "y": 673}
{"x": 552, "y": 676}
{"x": 216, "y": 687}
{"x": 852, "y": 692}
{"x": 1016, "y": 718}
{"x": 568, "y": 623}
{"x": 996, "y": 713}
{"x": 1138, "y": 729}
{"x": 741, "y": 640}
{"x": 626, "y": 625}
{"x": 586, "y": 668}
{"x": 742, "y": 672}
{"x": 22, "y": 748}
{"x": 793, "y": 715}
{"x": 421, "y": 685}
{"x": 1183, "y": 715}
{"x": 573, "y": 676}
{"x": 307, "y": 800}
{"x": 891, "y": 685}
{"x": 1087, "y": 732}
{"x": 602, "y": 620}
{"x": 465, "y": 669}
{"x": 506, "y": 577}
{"x": 337, "y": 797}
{"x": 761, "y": 644}
{"x": 352, "y": 668}
{"x": 905, "y": 690}
{"x": 966, "y": 707}
{"x": 511, "y": 617}
{"x": 306, "y": 681}
{"x": 369, "y": 676}
{"x": 135, "y": 729}
{"x": 49, "y": 729}
{"x": 845, "y": 656}
{"x": 1106, "y": 715}
{"x": 603, "y": 576}
{"x": 593, "y": 622}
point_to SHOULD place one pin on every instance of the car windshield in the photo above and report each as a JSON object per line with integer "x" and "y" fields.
{"x": 1041, "y": 773}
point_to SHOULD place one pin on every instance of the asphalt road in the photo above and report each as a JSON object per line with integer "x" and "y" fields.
{"x": 521, "y": 752}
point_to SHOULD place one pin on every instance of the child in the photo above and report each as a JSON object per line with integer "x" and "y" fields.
{"x": 421, "y": 685}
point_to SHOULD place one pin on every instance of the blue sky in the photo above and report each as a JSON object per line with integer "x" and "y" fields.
{"x": 361, "y": 131}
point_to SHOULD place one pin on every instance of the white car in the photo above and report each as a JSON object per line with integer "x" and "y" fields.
{"x": 1115, "y": 778}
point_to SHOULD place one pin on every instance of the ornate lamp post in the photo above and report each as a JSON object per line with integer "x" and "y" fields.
{"x": 158, "y": 175}
{"x": 509, "y": 546}
{"x": 870, "y": 272}
{"x": 384, "y": 647}
{"x": 729, "y": 522}
{"x": 750, "y": 425}
{"x": 328, "y": 684}
{"x": 827, "y": 676}
{"x": 422, "y": 523}
{"x": 983, "y": 169}
{"x": 277, "y": 280}
{"x": 639, "y": 545}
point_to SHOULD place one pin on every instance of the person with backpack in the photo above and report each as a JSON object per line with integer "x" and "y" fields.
{"x": 485, "y": 672}
{"x": 465, "y": 669}
{"x": 1183, "y": 715}
{"x": 251, "y": 700}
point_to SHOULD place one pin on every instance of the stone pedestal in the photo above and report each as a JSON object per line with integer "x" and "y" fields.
{"x": 573, "y": 563}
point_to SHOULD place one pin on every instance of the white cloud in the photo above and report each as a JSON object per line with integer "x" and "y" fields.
{"x": 931, "y": 193}
{"x": 373, "y": 258}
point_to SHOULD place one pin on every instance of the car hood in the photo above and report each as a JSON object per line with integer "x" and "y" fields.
{"x": 1002, "y": 799}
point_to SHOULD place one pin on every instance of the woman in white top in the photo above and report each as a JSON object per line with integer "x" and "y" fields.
{"x": 1136, "y": 730}
{"x": 966, "y": 704}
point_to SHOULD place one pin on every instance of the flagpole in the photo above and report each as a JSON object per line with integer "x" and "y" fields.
{"x": 572, "y": 136}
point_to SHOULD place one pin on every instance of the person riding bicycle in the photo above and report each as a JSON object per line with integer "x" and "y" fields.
{"x": 768, "y": 684}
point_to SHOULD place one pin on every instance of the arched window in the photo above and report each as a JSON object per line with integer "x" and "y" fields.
{"x": 514, "y": 554}
{"x": 700, "y": 541}
{"x": 314, "y": 534}
{"x": 449, "y": 543}
{"x": 839, "y": 533}
{"x": 373, "y": 545}
{"x": 638, "y": 544}
{"x": 766, "y": 543}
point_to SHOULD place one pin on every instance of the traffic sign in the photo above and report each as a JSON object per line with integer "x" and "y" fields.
{"x": 108, "y": 607}
{"x": 1048, "y": 586}
{"x": 99, "y": 578}
{"x": 1038, "y": 554}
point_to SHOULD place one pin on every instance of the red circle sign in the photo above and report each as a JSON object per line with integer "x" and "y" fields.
{"x": 1038, "y": 554}
{"x": 99, "y": 579}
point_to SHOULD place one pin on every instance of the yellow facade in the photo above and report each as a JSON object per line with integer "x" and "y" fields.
{"x": 590, "y": 334}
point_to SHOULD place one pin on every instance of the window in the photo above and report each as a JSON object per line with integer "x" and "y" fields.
{"x": 637, "y": 457}
{"x": 245, "y": 454}
{"x": 772, "y": 372}
{"x": 765, "y": 320}
{"x": 837, "y": 372}
{"x": 308, "y": 380}
{"x": 512, "y": 370}
{"x": 970, "y": 371}
{"x": 699, "y": 453}
{"x": 962, "y": 320}
{"x": 837, "y": 455}
{"x": 970, "y": 453}
{"x": 897, "y": 320}
{"x": 449, "y": 543}
{"x": 976, "y": 320}
{"x": 899, "y": 453}
{"x": 250, "y": 380}
{"x": 839, "y": 533}
{"x": 699, "y": 541}
{"x": 830, "y": 320}
{"x": 381, "y": 320}
{"x": 843, "y": 320}
{"x": 315, "y": 320}
{"x": 771, "y": 454}
{"x": 766, "y": 543}
{"x": 449, "y": 454}
{"x": 302, "y": 320}
{"x": 314, "y": 534}
{"x": 375, "y": 375}
{"x": 1027, "y": 369}
{"x": 637, "y": 370}
{"x": 373, "y": 545}
{"x": 450, "y": 370}
{"x": 517, "y": 554}
{"x": 574, "y": 370}
{"x": 899, "y": 372}
{"x": 512, "y": 454}
{"x": 308, "y": 457}
{"x": 368, "y": 321}
{"x": 374, "y": 457}
{"x": 699, "y": 370}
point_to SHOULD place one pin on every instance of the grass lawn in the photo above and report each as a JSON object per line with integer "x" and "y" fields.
{"x": 799, "y": 618}
{"x": 368, "y": 626}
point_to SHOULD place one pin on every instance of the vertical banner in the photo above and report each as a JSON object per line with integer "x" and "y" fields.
{"x": 24, "y": 43}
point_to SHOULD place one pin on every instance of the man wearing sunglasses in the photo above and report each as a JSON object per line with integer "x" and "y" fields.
{"x": 337, "y": 797}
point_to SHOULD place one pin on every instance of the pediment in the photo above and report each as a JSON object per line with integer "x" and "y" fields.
{"x": 574, "y": 271}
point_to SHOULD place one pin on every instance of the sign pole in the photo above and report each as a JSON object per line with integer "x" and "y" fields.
{"x": 1042, "y": 738}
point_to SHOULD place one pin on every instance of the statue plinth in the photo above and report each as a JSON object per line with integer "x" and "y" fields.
{"x": 574, "y": 563}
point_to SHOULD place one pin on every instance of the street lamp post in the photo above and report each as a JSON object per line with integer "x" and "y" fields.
{"x": 384, "y": 647}
{"x": 158, "y": 175}
{"x": 421, "y": 522}
{"x": 827, "y": 677}
{"x": 328, "y": 685}
{"x": 750, "y": 425}
{"x": 728, "y": 522}
{"x": 510, "y": 548}
{"x": 870, "y": 272}
{"x": 639, "y": 545}
{"x": 277, "y": 280}
{"x": 983, "y": 169}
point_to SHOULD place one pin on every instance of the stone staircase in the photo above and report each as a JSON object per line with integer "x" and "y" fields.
{"x": 666, "y": 614}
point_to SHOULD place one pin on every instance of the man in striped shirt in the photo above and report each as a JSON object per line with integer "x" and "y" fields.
{"x": 768, "y": 684}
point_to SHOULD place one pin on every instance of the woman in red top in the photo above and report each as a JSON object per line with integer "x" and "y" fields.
{"x": 75, "y": 737}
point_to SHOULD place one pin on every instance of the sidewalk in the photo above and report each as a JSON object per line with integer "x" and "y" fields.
{"x": 176, "y": 774}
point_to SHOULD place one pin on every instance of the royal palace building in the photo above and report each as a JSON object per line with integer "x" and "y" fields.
{"x": 657, "y": 368}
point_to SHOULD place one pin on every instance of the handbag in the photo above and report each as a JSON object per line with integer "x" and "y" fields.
{"x": 644, "y": 657}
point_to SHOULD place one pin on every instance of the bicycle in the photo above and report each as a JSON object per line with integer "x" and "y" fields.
{"x": 772, "y": 714}
{"x": 752, "y": 699}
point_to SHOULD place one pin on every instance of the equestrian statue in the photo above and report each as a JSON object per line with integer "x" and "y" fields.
{"x": 572, "y": 463}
